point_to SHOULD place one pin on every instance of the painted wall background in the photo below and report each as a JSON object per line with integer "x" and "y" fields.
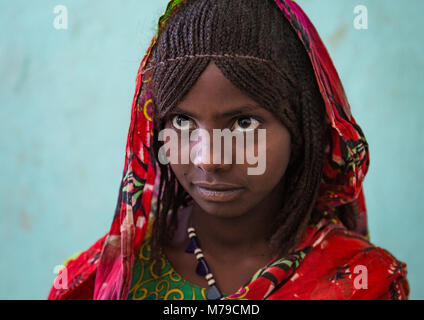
{"x": 65, "y": 97}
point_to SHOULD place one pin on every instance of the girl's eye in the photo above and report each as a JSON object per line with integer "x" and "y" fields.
{"x": 246, "y": 124}
{"x": 181, "y": 122}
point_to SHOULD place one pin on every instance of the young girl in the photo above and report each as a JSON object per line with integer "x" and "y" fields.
{"x": 210, "y": 230}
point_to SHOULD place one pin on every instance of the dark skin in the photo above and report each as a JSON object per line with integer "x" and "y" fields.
{"x": 232, "y": 232}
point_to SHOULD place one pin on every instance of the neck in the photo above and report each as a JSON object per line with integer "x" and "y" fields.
{"x": 236, "y": 237}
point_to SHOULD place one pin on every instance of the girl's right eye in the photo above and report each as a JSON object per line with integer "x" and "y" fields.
{"x": 181, "y": 122}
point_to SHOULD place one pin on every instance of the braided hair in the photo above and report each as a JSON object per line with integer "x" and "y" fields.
{"x": 255, "y": 48}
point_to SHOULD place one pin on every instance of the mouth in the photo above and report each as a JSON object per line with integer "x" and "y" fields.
{"x": 215, "y": 192}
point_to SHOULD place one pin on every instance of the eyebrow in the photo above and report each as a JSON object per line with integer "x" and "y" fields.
{"x": 238, "y": 111}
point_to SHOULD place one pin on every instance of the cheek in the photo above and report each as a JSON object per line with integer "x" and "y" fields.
{"x": 180, "y": 171}
{"x": 278, "y": 153}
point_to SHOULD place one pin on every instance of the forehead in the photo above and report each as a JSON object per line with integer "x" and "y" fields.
{"x": 214, "y": 94}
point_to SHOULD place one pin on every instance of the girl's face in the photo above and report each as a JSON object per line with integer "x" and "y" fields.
{"x": 227, "y": 189}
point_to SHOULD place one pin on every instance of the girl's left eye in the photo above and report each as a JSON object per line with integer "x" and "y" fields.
{"x": 245, "y": 124}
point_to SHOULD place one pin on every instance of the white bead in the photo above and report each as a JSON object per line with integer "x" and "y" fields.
{"x": 199, "y": 255}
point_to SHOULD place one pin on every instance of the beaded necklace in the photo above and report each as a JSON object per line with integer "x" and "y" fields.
{"x": 212, "y": 293}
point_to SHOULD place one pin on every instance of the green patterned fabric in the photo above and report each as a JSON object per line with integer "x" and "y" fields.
{"x": 168, "y": 285}
{"x": 170, "y": 10}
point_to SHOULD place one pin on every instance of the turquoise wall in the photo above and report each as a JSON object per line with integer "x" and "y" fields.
{"x": 65, "y": 98}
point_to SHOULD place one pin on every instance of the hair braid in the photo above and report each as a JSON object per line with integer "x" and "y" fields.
{"x": 255, "y": 47}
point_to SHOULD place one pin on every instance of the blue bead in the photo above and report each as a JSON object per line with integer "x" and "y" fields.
{"x": 196, "y": 242}
{"x": 213, "y": 293}
{"x": 202, "y": 268}
{"x": 191, "y": 246}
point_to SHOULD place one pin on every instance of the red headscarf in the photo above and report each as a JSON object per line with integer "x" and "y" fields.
{"x": 104, "y": 271}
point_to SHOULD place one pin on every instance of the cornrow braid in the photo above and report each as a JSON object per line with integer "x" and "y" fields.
{"x": 255, "y": 47}
{"x": 216, "y": 56}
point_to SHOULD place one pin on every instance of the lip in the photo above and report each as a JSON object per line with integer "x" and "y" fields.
{"x": 218, "y": 192}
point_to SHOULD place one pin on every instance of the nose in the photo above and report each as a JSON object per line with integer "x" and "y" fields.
{"x": 210, "y": 159}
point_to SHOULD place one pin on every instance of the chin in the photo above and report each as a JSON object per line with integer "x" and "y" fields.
{"x": 222, "y": 210}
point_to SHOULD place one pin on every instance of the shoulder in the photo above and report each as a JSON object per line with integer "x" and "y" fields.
{"x": 342, "y": 264}
{"x": 358, "y": 269}
{"x": 376, "y": 273}
{"x": 76, "y": 279}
